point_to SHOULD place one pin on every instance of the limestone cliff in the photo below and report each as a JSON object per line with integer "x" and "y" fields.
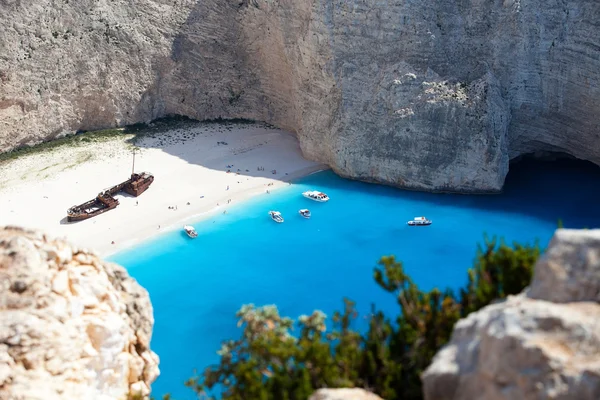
{"x": 429, "y": 94}
{"x": 71, "y": 326}
{"x": 542, "y": 344}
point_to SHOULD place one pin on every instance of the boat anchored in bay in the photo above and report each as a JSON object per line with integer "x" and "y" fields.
{"x": 276, "y": 216}
{"x": 419, "y": 221}
{"x": 191, "y": 231}
{"x": 305, "y": 213}
{"x": 316, "y": 196}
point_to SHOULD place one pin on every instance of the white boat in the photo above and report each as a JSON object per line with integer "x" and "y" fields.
{"x": 191, "y": 232}
{"x": 316, "y": 196}
{"x": 305, "y": 213}
{"x": 276, "y": 216}
{"x": 419, "y": 221}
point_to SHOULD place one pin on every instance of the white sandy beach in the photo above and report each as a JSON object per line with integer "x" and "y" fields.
{"x": 187, "y": 163}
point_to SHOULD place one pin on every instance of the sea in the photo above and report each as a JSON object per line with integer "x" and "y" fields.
{"x": 197, "y": 285}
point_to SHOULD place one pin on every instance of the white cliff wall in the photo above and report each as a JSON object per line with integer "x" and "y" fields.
{"x": 71, "y": 326}
{"x": 432, "y": 94}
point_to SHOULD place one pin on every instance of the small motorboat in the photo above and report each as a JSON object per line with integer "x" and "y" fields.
{"x": 276, "y": 216}
{"x": 305, "y": 213}
{"x": 191, "y": 231}
{"x": 419, "y": 221}
{"x": 316, "y": 196}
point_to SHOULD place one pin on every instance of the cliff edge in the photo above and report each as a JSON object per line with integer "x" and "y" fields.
{"x": 71, "y": 325}
{"x": 541, "y": 344}
{"x": 430, "y": 95}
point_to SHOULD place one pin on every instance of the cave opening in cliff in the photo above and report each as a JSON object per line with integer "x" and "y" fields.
{"x": 549, "y": 169}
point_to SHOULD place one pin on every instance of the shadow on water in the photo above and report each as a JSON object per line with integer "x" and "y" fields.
{"x": 533, "y": 187}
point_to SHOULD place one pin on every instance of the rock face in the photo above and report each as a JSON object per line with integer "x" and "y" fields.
{"x": 433, "y": 95}
{"x": 343, "y": 394}
{"x": 541, "y": 344}
{"x": 71, "y": 326}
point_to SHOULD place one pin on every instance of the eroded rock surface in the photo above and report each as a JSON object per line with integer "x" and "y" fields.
{"x": 541, "y": 344}
{"x": 432, "y": 95}
{"x": 71, "y": 326}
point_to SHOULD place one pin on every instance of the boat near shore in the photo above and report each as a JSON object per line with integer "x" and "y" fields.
{"x": 190, "y": 231}
{"x": 276, "y": 216}
{"x": 316, "y": 196}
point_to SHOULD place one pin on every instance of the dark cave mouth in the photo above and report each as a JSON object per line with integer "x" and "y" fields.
{"x": 554, "y": 160}
{"x": 556, "y": 169}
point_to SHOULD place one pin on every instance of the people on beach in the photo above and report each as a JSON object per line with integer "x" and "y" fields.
{"x": 227, "y": 187}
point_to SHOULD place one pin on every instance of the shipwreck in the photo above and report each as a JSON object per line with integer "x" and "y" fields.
{"x": 105, "y": 200}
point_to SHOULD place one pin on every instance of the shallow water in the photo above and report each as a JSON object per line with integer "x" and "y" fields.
{"x": 196, "y": 286}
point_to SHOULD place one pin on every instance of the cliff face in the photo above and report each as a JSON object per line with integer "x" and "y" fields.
{"x": 434, "y": 95}
{"x": 71, "y": 325}
{"x": 542, "y": 344}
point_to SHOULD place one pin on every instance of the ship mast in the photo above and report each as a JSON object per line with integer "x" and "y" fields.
{"x": 133, "y": 166}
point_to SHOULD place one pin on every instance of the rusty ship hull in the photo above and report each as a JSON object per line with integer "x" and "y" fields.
{"x": 105, "y": 201}
{"x": 138, "y": 183}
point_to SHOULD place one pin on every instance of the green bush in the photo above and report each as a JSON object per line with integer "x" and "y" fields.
{"x": 268, "y": 362}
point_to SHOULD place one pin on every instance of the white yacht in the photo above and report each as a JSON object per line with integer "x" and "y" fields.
{"x": 419, "y": 221}
{"x": 276, "y": 216}
{"x": 305, "y": 213}
{"x": 191, "y": 231}
{"x": 316, "y": 196}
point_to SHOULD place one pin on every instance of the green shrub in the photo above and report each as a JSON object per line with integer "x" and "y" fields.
{"x": 268, "y": 362}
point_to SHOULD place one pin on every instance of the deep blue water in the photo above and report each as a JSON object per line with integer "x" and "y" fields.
{"x": 196, "y": 286}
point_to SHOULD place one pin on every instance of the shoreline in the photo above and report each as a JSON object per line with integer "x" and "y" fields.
{"x": 200, "y": 217}
{"x": 197, "y": 169}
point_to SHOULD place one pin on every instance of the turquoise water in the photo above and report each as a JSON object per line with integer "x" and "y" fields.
{"x": 196, "y": 286}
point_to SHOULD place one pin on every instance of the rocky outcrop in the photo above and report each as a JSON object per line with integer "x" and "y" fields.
{"x": 71, "y": 325}
{"x": 433, "y": 95}
{"x": 343, "y": 394}
{"x": 542, "y": 344}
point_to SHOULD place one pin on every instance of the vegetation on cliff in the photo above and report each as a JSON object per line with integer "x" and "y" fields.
{"x": 269, "y": 361}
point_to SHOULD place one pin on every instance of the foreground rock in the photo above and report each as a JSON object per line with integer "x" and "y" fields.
{"x": 71, "y": 325}
{"x": 433, "y": 95}
{"x": 343, "y": 394}
{"x": 542, "y": 344}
